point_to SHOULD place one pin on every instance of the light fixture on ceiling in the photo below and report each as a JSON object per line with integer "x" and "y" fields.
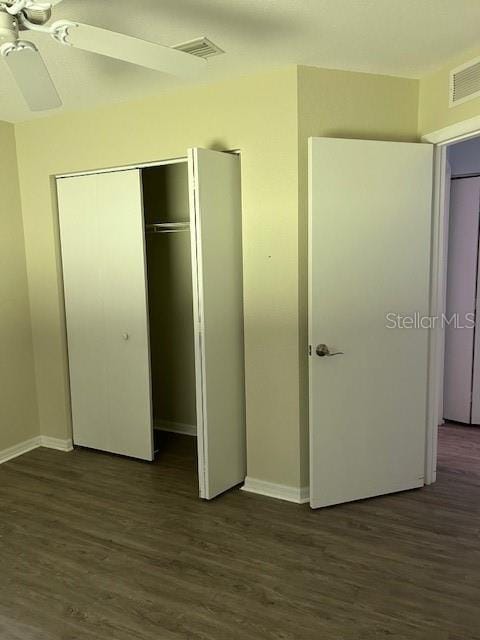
{"x": 29, "y": 70}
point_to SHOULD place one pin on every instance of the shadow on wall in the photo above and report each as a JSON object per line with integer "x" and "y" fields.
{"x": 355, "y": 135}
{"x": 219, "y": 145}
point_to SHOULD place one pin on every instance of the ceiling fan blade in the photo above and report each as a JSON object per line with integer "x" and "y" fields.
{"x": 31, "y": 75}
{"x": 133, "y": 50}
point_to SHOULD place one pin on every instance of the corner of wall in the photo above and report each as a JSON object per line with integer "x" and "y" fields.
{"x": 338, "y": 103}
{"x": 18, "y": 395}
{"x": 17, "y": 168}
{"x": 434, "y": 110}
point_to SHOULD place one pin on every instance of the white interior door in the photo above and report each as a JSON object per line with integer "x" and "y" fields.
{"x": 461, "y": 293}
{"x": 370, "y": 226}
{"x": 216, "y": 225}
{"x": 102, "y": 240}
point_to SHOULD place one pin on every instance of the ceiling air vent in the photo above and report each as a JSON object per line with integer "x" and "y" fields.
{"x": 201, "y": 47}
{"x": 465, "y": 82}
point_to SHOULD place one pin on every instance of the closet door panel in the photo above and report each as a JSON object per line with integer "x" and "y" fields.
{"x": 216, "y": 226}
{"x": 461, "y": 291}
{"x": 81, "y": 238}
{"x": 126, "y": 316}
{"x": 101, "y": 227}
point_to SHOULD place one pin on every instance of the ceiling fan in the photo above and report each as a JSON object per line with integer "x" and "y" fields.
{"x": 28, "y": 67}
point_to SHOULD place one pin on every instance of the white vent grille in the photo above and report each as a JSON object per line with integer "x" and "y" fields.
{"x": 201, "y": 47}
{"x": 465, "y": 82}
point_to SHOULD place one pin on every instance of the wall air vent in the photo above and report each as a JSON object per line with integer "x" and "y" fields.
{"x": 465, "y": 82}
{"x": 201, "y": 47}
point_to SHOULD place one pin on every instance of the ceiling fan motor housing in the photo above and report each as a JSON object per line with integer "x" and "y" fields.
{"x": 38, "y": 14}
{"x": 30, "y": 73}
{"x": 8, "y": 27}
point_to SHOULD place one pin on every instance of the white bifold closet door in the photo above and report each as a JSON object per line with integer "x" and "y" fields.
{"x": 462, "y": 364}
{"x": 101, "y": 231}
{"x": 216, "y": 227}
{"x": 102, "y": 238}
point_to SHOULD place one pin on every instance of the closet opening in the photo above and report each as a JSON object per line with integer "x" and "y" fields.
{"x": 152, "y": 274}
{"x": 170, "y": 309}
{"x": 459, "y": 431}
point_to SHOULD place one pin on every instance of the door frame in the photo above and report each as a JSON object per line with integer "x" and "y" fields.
{"x": 441, "y": 139}
{"x": 197, "y": 300}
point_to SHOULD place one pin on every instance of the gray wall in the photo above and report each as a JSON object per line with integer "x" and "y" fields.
{"x": 464, "y": 157}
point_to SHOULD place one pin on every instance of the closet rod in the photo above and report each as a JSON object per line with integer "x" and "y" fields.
{"x": 167, "y": 227}
{"x": 157, "y": 231}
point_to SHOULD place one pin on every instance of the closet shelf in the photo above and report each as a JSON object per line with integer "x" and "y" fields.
{"x": 167, "y": 227}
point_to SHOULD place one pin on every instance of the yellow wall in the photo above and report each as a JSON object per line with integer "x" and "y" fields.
{"x": 257, "y": 115}
{"x": 18, "y": 409}
{"x": 434, "y": 111}
{"x": 268, "y": 117}
{"x": 342, "y": 104}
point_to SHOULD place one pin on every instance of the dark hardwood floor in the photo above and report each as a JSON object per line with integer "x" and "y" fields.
{"x": 99, "y": 547}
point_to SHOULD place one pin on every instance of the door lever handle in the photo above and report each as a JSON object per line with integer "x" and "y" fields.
{"x": 323, "y": 351}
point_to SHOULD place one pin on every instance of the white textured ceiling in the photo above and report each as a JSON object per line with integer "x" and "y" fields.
{"x": 398, "y": 37}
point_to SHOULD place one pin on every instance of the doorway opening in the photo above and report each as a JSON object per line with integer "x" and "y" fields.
{"x": 166, "y": 212}
{"x": 152, "y": 274}
{"x": 455, "y": 445}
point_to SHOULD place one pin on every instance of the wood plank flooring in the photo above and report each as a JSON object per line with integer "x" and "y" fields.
{"x": 99, "y": 547}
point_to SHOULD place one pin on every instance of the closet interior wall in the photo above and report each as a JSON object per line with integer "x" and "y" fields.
{"x": 170, "y": 298}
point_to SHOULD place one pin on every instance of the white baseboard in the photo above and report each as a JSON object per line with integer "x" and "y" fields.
{"x": 299, "y": 495}
{"x": 176, "y": 427}
{"x": 33, "y": 443}
{"x": 56, "y": 443}
{"x": 19, "y": 449}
